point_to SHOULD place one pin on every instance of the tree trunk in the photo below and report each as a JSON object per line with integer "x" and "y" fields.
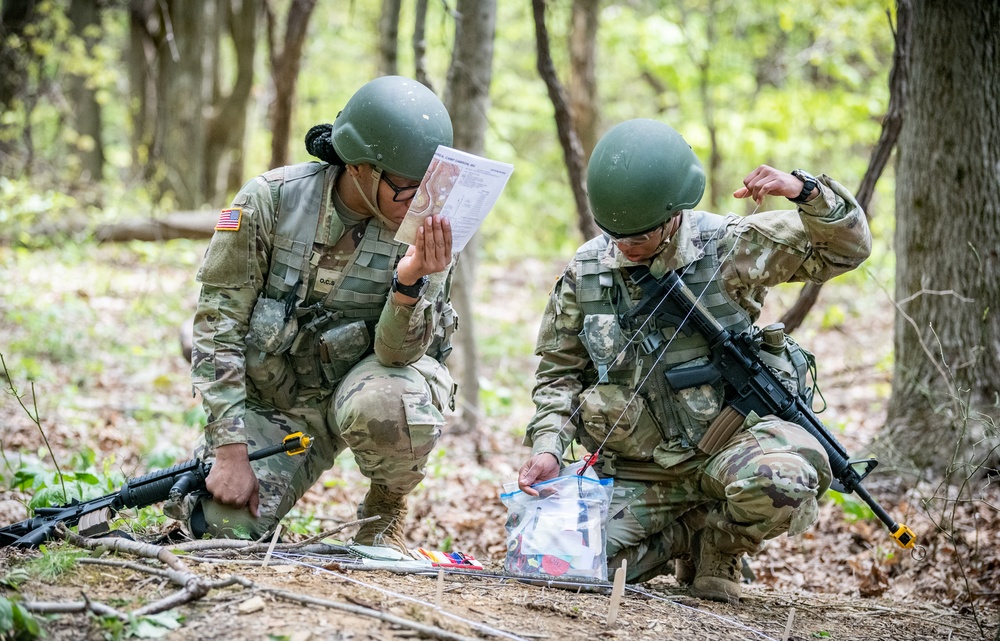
{"x": 141, "y": 61}
{"x": 85, "y": 16}
{"x": 388, "y": 37}
{"x": 182, "y": 95}
{"x": 572, "y": 150}
{"x": 227, "y": 126}
{"x": 704, "y": 65}
{"x": 583, "y": 73}
{"x": 14, "y": 18}
{"x": 947, "y": 330}
{"x": 420, "y": 45}
{"x": 892, "y": 123}
{"x": 467, "y": 99}
{"x": 285, "y": 66}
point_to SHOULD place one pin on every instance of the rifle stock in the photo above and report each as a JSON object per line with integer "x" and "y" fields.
{"x": 750, "y": 386}
{"x": 173, "y": 482}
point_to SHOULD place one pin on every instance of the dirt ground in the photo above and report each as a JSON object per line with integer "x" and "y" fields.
{"x": 842, "y": 580}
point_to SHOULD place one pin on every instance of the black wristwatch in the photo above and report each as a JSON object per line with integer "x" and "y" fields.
{"x": 808, "y": 184}
{"x": 416, "y": 290}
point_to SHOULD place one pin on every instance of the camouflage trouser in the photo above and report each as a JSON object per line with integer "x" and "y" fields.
{"x": 765, "y": 481}
{"x": 390, "y": 418}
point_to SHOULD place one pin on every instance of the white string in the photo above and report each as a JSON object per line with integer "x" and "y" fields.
{"x": 632, "y": 341}
{"x": 663, "y": 350}
{"x": 293, "y": 558}
{"x": 473, "y": 624}
{"x": 656, "y": 597}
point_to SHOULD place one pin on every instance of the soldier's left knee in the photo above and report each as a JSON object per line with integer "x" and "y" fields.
{"x": 774, "y": 488}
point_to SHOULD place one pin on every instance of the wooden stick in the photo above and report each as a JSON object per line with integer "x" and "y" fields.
{"x": 270, "y": 548}
{"x": 616, "y": 593}
{"x": 440, "y": 587}
{"x": 788, "y": 625}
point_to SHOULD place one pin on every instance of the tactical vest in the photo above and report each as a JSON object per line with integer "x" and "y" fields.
{"x": 330, "y": 332}
{"x": 630, "y": 398}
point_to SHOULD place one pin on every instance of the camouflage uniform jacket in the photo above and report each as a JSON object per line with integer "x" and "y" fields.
{"x": 235, "y": 273}
{"x": 822, "y": 239}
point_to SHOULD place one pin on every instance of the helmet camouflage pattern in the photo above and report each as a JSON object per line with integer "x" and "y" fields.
{"x": 640, "y": 175}
{"x": 393, "y": 123}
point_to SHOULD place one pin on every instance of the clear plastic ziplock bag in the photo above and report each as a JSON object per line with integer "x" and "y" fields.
{"x": 562, "y": 531}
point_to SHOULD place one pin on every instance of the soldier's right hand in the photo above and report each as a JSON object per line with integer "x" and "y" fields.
{"x": 231, "y": 480}
{"x": 540, "y": 467}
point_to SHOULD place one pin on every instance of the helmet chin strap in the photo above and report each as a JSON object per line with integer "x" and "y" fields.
{"x": 372, "y": 207}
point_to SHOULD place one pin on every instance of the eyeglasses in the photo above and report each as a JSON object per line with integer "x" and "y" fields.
{"x": 400, "y": 194}
{"x": 635, "y": 239}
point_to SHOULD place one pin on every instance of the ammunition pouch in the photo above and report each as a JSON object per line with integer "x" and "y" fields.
{"x": 272, "y": 326}
{"x": 605, "y": 342}
{"x": 341, "y": 347}
{"x": 441, "y": 346}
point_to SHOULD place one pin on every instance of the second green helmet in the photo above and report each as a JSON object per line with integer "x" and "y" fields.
{"x": 640, "y": 175}
{"x": 393, "y": 123}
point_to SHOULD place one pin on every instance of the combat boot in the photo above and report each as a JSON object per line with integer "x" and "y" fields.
{"x": 684, "y": 565}
{"x": 684, "y": 571}
{"x": 387, "y": 531}
{"x": 717, "y": 573}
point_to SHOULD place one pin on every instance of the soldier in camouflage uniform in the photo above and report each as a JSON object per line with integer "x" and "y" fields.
{"x": 313, "y": 318}
{"x": 695, "y": 482}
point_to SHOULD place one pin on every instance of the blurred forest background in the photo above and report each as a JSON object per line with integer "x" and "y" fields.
{"x": 126, "y": 125}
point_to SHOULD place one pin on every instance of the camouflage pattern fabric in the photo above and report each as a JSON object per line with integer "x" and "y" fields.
{"x": 390, "y": 441}
{"x": 767, "y": 478}
{"x": 386, "y": 405}
{"x": 765, "y": 482}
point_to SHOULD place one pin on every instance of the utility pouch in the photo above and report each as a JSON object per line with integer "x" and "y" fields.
{"x": 272, "y": 326}
{"x": 788, "y": 361}
{"x": 341, "y": 347}
{"x": 605, "y": 342}
{"x": 617, "y": 417}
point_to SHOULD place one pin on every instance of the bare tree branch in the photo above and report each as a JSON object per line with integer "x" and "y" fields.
{"x": 572, "y": 150}
{"x": 892, "y": 123}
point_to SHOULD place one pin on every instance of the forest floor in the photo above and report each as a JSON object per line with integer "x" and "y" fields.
{"x": 95, "y": 334}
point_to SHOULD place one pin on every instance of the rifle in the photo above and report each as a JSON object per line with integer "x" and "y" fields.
{"x": 750, "y": 386}
{"x": 172, "y": 483}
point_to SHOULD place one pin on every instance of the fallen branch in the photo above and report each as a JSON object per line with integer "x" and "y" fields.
{"x": 72, "y": 607}
{"x": 193, "y": 587}
{"x": 433, "y": 632}
{"x": 257, "y": 546}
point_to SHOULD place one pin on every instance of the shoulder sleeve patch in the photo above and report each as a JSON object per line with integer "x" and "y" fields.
{"x": 230, "y": 219}
{"x": 228, "y": 258}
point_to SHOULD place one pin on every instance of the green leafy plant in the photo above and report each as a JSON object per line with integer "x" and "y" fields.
{"x": 854, "y": 509}
{"x": 153, "y": 626}
{"x": 53, "y": 562}
{"x": 16, "y": 623}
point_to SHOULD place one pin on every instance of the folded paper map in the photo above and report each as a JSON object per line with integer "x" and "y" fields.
{"x": 459, "y": 186}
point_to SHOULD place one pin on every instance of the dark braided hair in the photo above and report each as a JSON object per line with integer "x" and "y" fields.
{"x": 320, "y": 144}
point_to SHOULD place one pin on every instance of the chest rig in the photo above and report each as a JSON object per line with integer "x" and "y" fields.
{"x": 648, "y": 346}
{"x": 318, "y": 337}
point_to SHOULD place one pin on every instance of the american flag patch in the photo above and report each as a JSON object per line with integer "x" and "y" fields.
{"x": 229, "y": 220}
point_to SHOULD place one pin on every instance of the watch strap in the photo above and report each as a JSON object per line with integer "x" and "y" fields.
{"x": 416, "y": 290}
{"x": 809, "y": 183}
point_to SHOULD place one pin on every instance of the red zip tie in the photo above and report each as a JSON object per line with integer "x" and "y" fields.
{"x": 588, "y": 461}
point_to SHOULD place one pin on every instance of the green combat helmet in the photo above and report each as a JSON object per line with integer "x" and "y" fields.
{"x": 640, "y": 175}
{"x": 394, "y": 124}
